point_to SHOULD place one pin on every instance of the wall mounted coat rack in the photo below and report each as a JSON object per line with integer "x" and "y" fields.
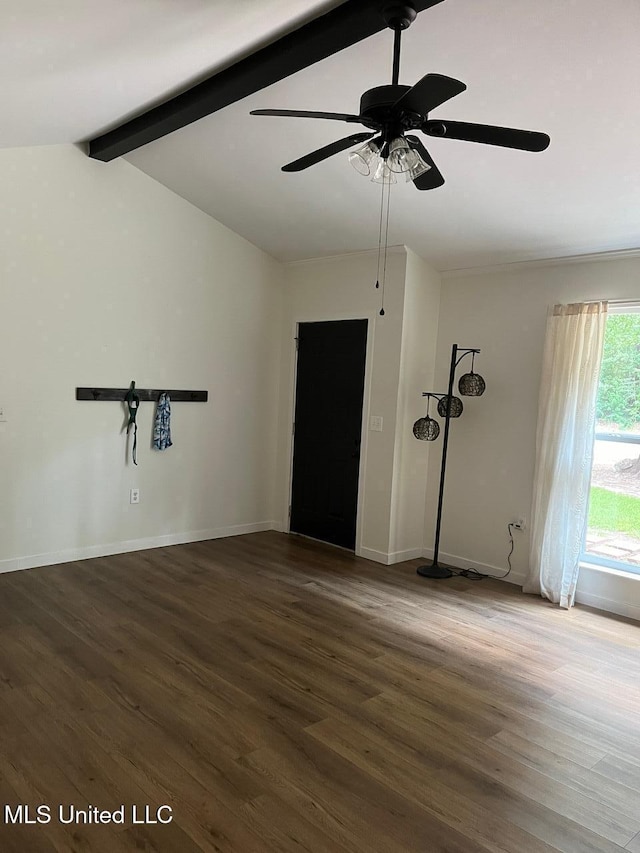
{"x": 148, "y": 395}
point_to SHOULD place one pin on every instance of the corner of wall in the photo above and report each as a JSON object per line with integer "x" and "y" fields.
{"x": 421, "y": 311}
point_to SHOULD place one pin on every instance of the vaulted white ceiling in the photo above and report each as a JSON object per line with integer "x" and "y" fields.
{"x": 75, "y": 68}
{"x": 71, "y": 69}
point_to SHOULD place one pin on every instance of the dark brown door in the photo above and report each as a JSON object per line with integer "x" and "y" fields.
{"x": 328, "y": 425}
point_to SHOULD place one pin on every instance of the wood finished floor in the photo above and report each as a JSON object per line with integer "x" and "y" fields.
{"x": 281, "y": 695}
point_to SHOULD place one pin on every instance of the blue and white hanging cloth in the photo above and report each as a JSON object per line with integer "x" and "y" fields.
{"x": 162, "y": 425}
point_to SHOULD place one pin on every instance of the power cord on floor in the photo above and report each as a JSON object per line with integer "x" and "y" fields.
{"x": 475, "y": 575}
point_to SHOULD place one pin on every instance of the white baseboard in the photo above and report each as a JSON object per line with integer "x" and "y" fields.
{"x": 485, "y": 568}
{"x": 388, "y": 559}
{"x": 70, "y": 555}
{"x": 402, "y": 556}
{"x": 371, "y": 554}
{"x": 621, "y": 608}
{"x": 609, "y": 589}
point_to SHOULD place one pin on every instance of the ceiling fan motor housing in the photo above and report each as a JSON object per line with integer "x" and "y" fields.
{"x": 377, "y": 105}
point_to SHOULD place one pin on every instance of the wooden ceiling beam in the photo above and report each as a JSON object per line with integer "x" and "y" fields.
{"x": 349, "y": 23}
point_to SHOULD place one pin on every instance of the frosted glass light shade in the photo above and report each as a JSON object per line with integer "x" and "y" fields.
{"x": 418, "y": 168}
{"x": 364, "y": 160}
{"x": 383, "y": 174}
{"x": 405, "y": 160}
{"x": 400, "y": 159}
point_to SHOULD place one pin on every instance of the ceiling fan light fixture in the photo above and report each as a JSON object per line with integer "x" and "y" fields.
{"x": 383, "y": 174}
{"x": 405, "y": 160}
{"x": 399, "y": 158}
{"x": 363, "y": 159}
{"x": 418, "y": 166}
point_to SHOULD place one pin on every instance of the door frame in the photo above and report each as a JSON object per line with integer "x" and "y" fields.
{"x": 291, "y": 408}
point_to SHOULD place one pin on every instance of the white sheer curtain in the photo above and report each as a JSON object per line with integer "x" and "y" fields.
{"x": 564, "y": 448}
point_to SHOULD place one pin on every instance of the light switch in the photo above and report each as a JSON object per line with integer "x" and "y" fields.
{"x": 375, "y": 423}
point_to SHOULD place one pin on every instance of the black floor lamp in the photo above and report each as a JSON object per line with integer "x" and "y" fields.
{"x": 427, "y": 429}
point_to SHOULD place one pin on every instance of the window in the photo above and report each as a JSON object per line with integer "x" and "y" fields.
{"x": 613, "y": 534}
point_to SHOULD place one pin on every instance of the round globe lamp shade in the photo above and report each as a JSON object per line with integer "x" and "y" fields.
{"x": 471, "y": 385}
{"x": 426, "y": 429}
{"x": 454, "y": 404}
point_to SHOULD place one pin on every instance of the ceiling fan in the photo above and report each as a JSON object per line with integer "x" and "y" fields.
{"x": 392, "y": 113}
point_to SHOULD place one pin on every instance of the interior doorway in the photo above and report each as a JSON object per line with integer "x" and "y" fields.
{"x": 327, "y": 430}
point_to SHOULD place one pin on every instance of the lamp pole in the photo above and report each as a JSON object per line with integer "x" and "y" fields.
{"x": 434, "y": 569}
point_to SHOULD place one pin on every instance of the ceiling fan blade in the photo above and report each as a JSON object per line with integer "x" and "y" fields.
{"x": 433, "y": 178}
{"x": 308, "y": 114}
{"x": 507, "y": 137}
{"x": 429, "y": 93}
{"x": 327, "y": 151}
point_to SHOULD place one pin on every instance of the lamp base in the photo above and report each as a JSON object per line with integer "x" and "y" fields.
{"x": 434, "y": 571}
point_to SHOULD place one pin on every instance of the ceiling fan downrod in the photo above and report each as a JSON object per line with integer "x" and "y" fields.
{"x": 398, "y": 17}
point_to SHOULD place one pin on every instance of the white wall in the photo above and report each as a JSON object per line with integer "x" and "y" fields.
{"x": 492, "y": 447}
{"x": 106, "y": 276}
{"x": 419, "y": 338}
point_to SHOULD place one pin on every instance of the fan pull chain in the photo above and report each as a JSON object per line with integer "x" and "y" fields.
{"x": 386, "y": 245}
{"x": 383, "y": 227}
{"x": 380, "y": 236}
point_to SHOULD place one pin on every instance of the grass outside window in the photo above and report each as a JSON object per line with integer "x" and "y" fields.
{"x": 614, "y": 512}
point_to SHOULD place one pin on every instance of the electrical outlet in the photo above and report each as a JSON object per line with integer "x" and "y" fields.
{"x": 134, "y": 496}
{"x": 519, "y": 523}
{"x": 375, "y": 424}
{"x": 3, "y": 416}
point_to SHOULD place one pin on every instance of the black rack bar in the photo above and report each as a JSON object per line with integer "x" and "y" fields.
{"x": 147, "y": 395}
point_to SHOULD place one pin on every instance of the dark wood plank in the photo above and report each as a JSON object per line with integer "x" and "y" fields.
{"x": 149, "y": 395}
